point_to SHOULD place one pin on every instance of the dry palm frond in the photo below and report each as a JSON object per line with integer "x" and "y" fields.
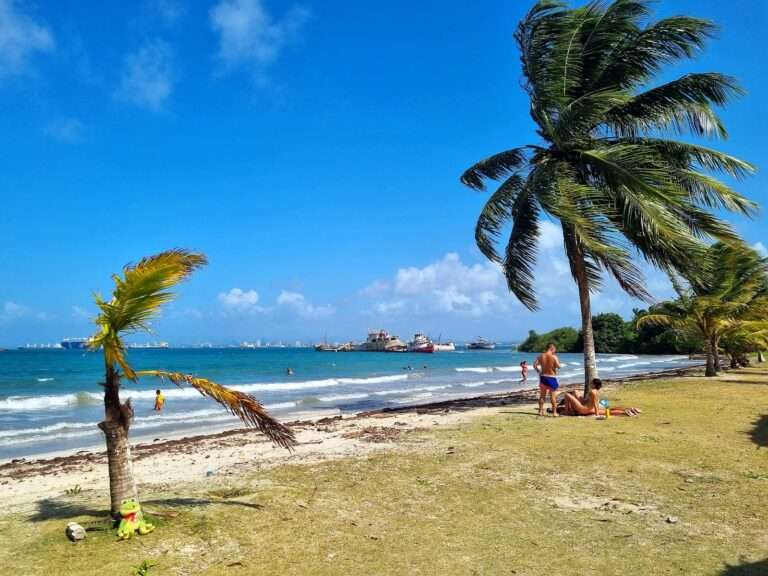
{"x": 240, "y": 404}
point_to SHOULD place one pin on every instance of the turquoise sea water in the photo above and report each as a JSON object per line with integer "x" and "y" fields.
{"x": 51, "y": 400}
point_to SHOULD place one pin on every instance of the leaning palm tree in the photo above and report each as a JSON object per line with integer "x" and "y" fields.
{"x": 729, "y": 299}
{"x": 137, "y": 298}
{"x": 603, "y": 167}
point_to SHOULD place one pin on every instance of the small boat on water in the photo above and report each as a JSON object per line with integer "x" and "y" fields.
{"x": 447, "y": 347}
{"x": 421, "y": 343}
{"x": 382, "y": 341}
{"x": 325, "y": 347}
{"x": 481, "y": 344}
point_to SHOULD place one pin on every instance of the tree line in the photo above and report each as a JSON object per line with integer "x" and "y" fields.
{"x": 615, "y": 335}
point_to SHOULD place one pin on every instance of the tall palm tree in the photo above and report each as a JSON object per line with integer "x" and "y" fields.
{"x": 603, "y": 167}
{"x": 729, "y": 299}
{"x": 136, "y": 299}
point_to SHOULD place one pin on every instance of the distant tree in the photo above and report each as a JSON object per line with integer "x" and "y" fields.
{"x": 728, "y": 296}
{"x": 609, "y": 333}
{"x": 604, "y": 166}
{"x": 566, "y": 339}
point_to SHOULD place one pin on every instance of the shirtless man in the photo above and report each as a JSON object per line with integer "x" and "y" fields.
{"x": 547, "y": 365}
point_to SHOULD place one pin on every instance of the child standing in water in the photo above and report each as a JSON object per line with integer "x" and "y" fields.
{"x": 524, "y": 372}
{"x": 159, "y": 401}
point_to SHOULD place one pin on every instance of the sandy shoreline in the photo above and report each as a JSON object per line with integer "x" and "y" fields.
{"x": 225, "y": 453}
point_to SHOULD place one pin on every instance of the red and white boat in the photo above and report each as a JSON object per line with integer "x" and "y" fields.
{"x": 421, "y": 343}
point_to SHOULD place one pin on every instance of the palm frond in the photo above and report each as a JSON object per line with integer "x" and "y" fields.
{"x": 641, "y": 55}
{"x": 684, "y": 102}
{"x": 496, "y": 212}
{"x": 520, "y": 257}
{"x": 137, "y": 298}
{"x": 239, "y": 404}
{"x": 496, "y": 167}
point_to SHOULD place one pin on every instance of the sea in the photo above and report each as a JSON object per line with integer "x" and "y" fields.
{"x": 51, "y": 400}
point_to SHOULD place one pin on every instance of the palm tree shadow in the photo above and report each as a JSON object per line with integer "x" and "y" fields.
{"x": 759, "y": 568}
{"x": 759, "y": 433}
{"x": 198, "y": 502}
{"x": 61, "y": 509}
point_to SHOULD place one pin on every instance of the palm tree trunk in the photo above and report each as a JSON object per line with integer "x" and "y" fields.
{"x": 579, "y": 271}
{"x": 760, "y": 358}
{"x": 716, "y": 354}
{"x": 710, "y": 370}
{"x": 115, "y": 427}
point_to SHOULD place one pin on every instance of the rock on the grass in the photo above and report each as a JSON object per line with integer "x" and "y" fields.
{"x": 672, "y": 519}
{"x": 75, "y": 532}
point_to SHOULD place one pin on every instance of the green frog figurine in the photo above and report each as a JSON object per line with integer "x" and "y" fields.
{"x": 132, "y": 520}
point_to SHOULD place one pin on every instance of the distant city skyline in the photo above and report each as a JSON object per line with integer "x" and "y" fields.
{"x": 312, "y": 151}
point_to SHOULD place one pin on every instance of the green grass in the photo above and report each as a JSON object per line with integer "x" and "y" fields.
{"x": 505, "y": 494}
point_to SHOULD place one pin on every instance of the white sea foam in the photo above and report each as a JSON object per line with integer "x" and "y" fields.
{"x": 337, "y": 397}
{"x": 48, "y": 402}
{"x": 45, "y": 379}
{"x": 59, "y": 401}
{"x": 477, "y": 370}
{"x": 621, "y": 358}
{"x": 68, "y": 430}
{"x": 632, "y": 364}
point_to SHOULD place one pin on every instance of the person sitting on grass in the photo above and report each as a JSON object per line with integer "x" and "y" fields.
{"x": 574, "y": 405}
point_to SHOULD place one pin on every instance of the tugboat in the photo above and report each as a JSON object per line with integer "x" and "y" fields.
{"x": 421, "y": 343}
{"x": 382, "y": 341}
{"x": 481, "y": 344}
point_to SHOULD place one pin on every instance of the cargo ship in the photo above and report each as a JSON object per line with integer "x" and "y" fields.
{"x": 75, "y": 343}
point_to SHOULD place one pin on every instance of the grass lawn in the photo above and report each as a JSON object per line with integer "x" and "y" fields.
{"x": 506, "y": 494}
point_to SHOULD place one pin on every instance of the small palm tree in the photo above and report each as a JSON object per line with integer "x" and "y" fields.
{"x": 603, "y": 167}
{"x": 730, "y": 299}
{"x": 136, "y": 299}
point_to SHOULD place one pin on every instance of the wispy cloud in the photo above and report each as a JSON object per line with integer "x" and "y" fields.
{"x": 69, "y": 130}
{"x": 11, "y": 311}
{"x": 250, "y": 36}
{"x": 81, "y": 313}
{"x": 169, "y": 11}
{"x": 20, "y": 38}
{"x": 148, "y": 76}
{"x": 298, "y": 303}
{"x": 761, "y": 249}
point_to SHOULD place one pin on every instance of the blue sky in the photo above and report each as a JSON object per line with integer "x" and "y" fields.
{"x": 311, "y": 150}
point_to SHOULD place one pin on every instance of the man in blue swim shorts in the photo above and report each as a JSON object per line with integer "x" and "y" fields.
{"x": 547, "y": 365}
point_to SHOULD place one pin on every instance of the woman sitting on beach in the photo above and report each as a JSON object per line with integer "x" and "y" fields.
{"x": 573, "y": 405}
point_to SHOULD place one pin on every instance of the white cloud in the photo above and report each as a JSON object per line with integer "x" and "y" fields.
{"x": 761, "y": 249}
{"x": 250, "y": 35}
{"x": 148, "y": 77}
{"x": 550, "y": 235}
{"x": 445, "y": 286}
{"x": 302, "y": 307}
{"x": 20, "y": 38}
{"x": 69, "y": 130}
{"x": 240, "y": 300}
